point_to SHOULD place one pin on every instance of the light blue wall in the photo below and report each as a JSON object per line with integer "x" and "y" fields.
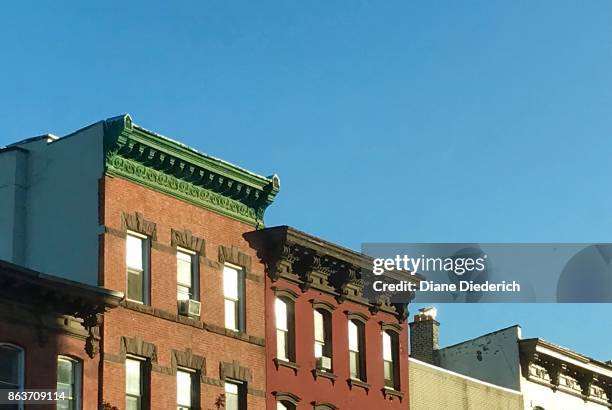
{"x": 60, "y": 221}
{"x": 493, "y": 358}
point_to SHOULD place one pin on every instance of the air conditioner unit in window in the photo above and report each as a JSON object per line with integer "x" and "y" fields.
{"x": 189, "y": 307}
{"x": 324, "y": 363}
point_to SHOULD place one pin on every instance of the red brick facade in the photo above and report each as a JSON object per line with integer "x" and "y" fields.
{"x": 311, "y": 389}
{"x": 158, "y": 325}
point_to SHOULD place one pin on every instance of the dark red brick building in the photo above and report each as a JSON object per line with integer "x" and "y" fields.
{"x": 327, "y": 346}
{"x": 49, "y": 335}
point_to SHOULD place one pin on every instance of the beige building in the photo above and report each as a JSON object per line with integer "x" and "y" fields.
{"x": 432, "y": 387}
{"x": 548, "y": 376}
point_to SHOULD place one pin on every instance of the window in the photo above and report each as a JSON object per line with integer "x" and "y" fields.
{"x": 187, "y": 394}
{"x": 137, "y": 262}
{"x": 356, "y": 350}
{"x": 234, "y": 396}
{"x": 135, "y": 392}
{"x": 187, "y": 275}
{"x": 69, "y": 383}
{"x": 283, "y": 310}
{"x": 285, "y": 405}
{"x": 233, "y": 286}
{"x": 11, "y": 367}
{"x": 322, "y": 339}
{"x": 390, "y": 359}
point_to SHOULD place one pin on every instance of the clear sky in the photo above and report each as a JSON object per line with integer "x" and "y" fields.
{"x": 412, "y": 121}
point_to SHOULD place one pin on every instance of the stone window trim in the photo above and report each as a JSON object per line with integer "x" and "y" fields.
{"x": 232, "y": 255}
{"x": 320, "y": 405}
{"x": 286, "y": 397}
{"x": 285, "y": 293}
{"x": 187, "y": 360}
{"x": 316, "y": 373}
{"x": 358, "y": 383}
{"x": 137, "y": 346}
{"x": 136, "y": 223}
{"x": 234, "y": 371}
{"x": 286, "y": 363}
{"x": 392, "y": 393}
{"x": 323, "y": 305}
{"x": 186, "y": 240}
{"x": 391, "y": 327}
{"x": 358, "y": 316}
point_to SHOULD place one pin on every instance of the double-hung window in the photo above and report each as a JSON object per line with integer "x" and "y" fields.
{"x": 11, "y": 369}
{"x": 68, "y": 383}
{"x": 356, "y": 339}
{"x": 233, "y": 292}
{"x": 235, "y": 397}
{"x": 187, "y": 275}
{"x": 390, "y": 359}
{"x": 135, "y": 384}
{"x": 187, "y": 394}
{"x": 285, "y": 405}
{"x": 322, "y": 339}
{"x": 285, "y": 338}
{"x": 137, "y": 262}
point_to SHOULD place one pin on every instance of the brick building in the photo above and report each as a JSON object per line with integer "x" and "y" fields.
{"x": 327, "y": 347}
{"x": 218, "y": 312}
{"x": 49, "y": 335}
{"x": 546, "y": 375}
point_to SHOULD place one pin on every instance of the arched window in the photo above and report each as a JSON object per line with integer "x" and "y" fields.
{"x": 285, "y": 324}
{"x": 323, "y": 339}
{"x": 12, "y": 366}
{"x": 390, "y": 350}
{"x": 356, "y": 345}
{"x": 69, "y": 382}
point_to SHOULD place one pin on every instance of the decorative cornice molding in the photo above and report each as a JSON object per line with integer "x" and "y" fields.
{"x": 185, "y": 239}
{"x": 234, "y": 256}
{"x": 313, "y": 263}
{"x": 135, "y": 222}
{"x": 169, "y": 167}
{"x": 235, "y": 371}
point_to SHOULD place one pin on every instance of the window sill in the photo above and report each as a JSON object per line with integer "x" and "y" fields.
{"x": 358, "y": 383}
{"x": 285, "y": 363}
{"x": 391, "y": 393}
{"x": 325, "y": 374}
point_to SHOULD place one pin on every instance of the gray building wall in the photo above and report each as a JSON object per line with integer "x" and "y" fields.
{"x": 493, "y": 358}
{"x": 49, "y": 204}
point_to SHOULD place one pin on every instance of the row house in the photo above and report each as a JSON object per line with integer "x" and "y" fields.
{"x": 217, "y": 312}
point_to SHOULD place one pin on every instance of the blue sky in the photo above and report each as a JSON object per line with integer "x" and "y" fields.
{"x": 472, "y": 121}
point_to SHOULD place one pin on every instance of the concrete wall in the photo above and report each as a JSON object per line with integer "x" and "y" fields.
{"x": 434, "y": 388}
{"x": 49, "y": 204}
{"x": 13, "y": 181}
{"x": 493, "y": 358}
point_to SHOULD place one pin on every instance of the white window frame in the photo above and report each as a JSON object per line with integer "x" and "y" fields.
{"x": 237, "y": 300}
{"x": 355, "y": 350}
{"x": 282, "y": 329}
{"x": 238, "y": 385}
{"x": 77, "y": 373}
{"x": 20, "y": 368}
{"x": 192, "y": 400}
{"x": 194, "y": 274}
{"x": 141, "y": 375}
{"x": 144, "y": 271}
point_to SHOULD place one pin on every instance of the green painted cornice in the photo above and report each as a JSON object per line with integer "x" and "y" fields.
{"x": 167, "y": 166}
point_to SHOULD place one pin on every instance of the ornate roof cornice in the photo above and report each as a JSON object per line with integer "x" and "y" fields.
{"x": 558, "y": 362}
{"x": 313, "y": 263}
{"x": 167, "y": 166}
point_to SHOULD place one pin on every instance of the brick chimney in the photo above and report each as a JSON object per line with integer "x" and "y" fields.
{"x": 424, "y": 332}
